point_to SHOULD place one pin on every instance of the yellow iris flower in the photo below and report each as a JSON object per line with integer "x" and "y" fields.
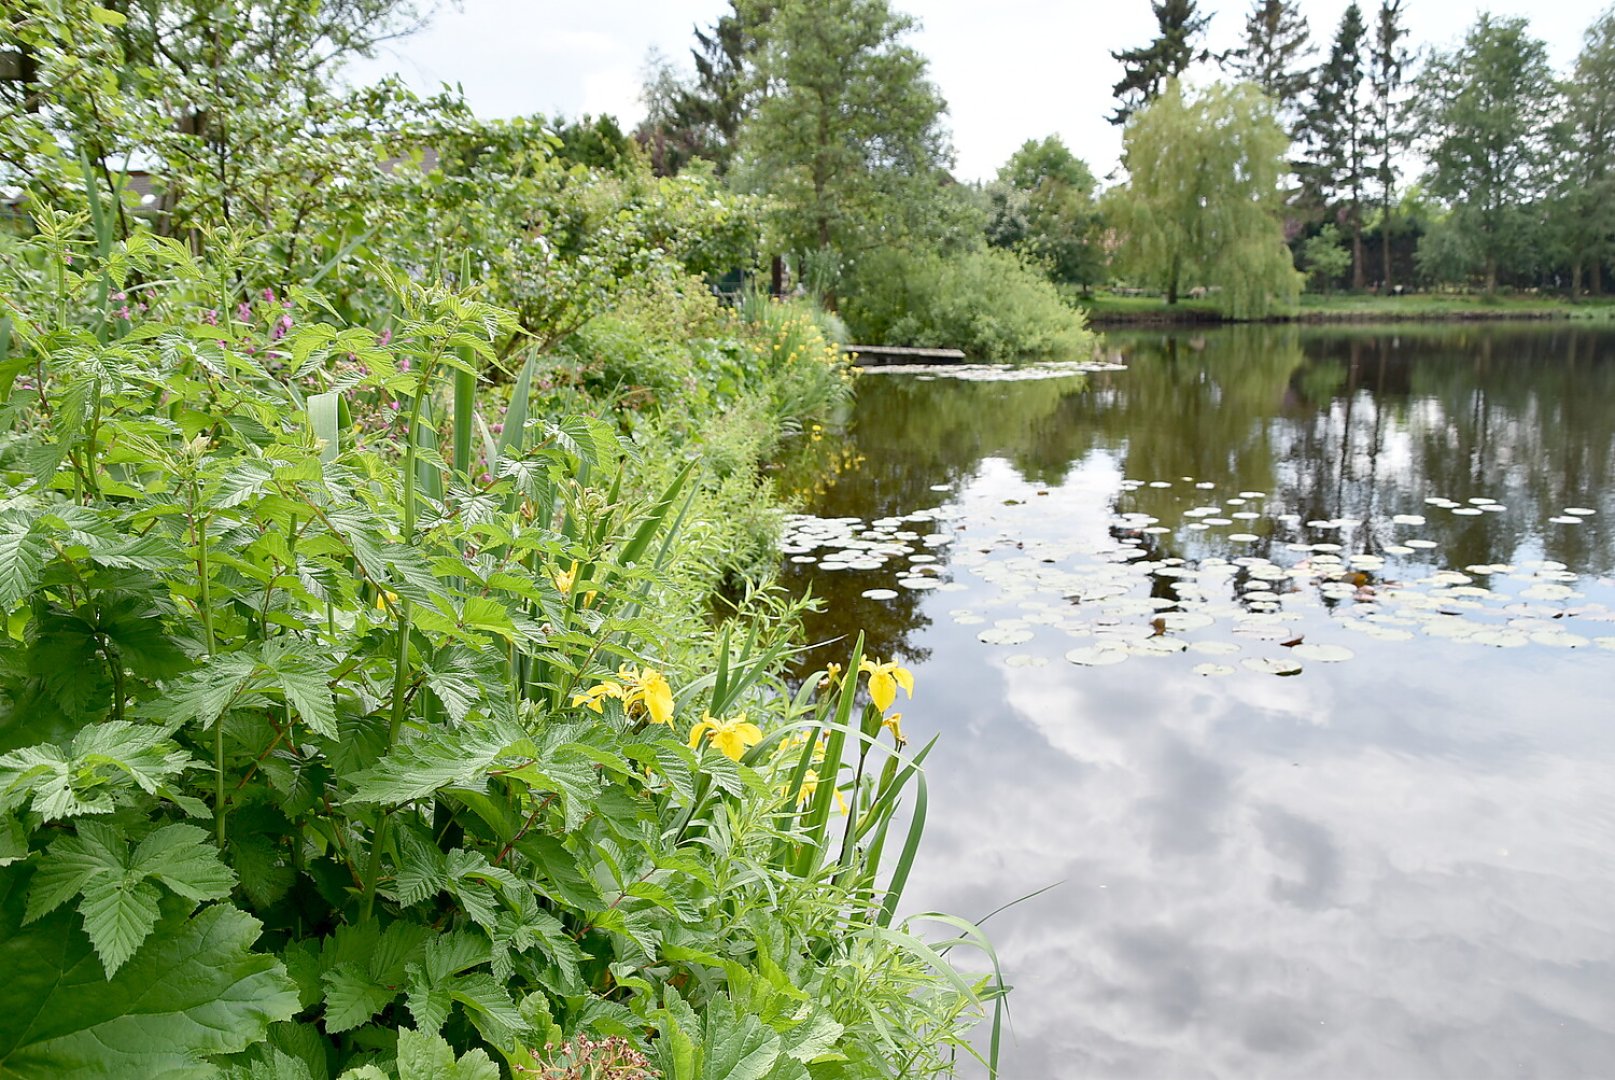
{"x": 732, "y": 737}
{"x": 596, "y": 694}
{"x": 894, "y": 724}
{"x": 649, "y": 690}
{"x": 810, "y": 784}
{"x": 884, "y": 679}
{"x": 642, "y": 692}
{"x": 565, "y": 578}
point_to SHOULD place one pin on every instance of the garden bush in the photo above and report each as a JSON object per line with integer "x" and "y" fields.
{"x": 347, "y": 731}
{"x": 984, "y": 301}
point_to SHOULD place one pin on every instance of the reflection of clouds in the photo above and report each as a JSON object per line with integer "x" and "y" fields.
{"x": 1398, "y": 866}
{"x": 1408, "y": 890}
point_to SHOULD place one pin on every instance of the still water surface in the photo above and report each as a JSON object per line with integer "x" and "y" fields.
{"x": 1397, "y": 862}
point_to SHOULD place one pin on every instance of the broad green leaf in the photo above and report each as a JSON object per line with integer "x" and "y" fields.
{"x": 427, "y": 1057}
{"x": 193, "y": 990}
{"x": 183, "y": 858}
{"x": 204, "y": 694}
{"x": 22, "y": 561}
{"x": 70, "y": 864}
{"x": 119, "y": 913}
{"x": 322, "y": 420}
{"x": 352, "y": 996}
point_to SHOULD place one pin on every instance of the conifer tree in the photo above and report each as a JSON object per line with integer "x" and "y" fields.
{"x": 1337, "y": 133}
{"x": 1147, "y": 70}
{"x": 1387, "y": 73}
{"x": 1276, "y": 43}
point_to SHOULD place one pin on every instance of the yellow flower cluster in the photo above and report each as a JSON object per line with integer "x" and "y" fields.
{"x": 733, "y": 737}
{"x": 643, "y": 693}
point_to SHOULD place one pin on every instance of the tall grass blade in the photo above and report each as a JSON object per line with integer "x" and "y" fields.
{"x": 465, "y": 407}
{"x": 510, "y": 439}
{"x": 323, "y": 419}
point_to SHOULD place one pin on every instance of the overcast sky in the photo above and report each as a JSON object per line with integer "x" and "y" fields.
{"x": 1010, "y": 70}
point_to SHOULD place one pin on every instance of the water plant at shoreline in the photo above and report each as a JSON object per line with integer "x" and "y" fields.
{"x": 357, "y": 729}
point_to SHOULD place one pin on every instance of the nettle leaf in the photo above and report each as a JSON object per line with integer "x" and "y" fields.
{"x": 119, "y": 914}
{"x": 423, "y": 1056}
{"x": 83, "y": 778}
{"x": 22, "y": 563}
{"x": 193, "y": 990}
{"x": 446, "y": 756}
{"x": 353, "y": 996}
{"x": 453, "y": 677}
{"x": 119, "y": 904}
{"x": 305, "y": 678}
{"x": 203, "y": 695}
{"x": 184, "y": 858}
{"x": 71, "y": 864}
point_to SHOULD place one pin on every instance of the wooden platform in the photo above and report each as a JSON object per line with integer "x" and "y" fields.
{"x": 866, "y": 355}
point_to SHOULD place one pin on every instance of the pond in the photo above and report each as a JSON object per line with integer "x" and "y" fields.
{"x": 1285, "y": 656}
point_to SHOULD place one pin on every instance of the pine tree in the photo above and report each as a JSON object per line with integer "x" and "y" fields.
{"x": 1146, "y": 70}
{"x": 1337, "y": 132}
{"x": 1387, "y": 72}
{"x": 1275, "y": 44}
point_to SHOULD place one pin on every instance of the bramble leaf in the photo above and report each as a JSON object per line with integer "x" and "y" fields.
{"x": 193, "y": 990}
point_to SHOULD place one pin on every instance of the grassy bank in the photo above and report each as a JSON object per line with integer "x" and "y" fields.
{"x": 1109, "y": 309}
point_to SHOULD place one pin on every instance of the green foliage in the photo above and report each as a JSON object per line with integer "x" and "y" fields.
{"x": 348, "y": 728}
{"x": 1042, "y": 207}
{"x": 1202, "y": 203}
{"x": 1147, "y": 70}
{"x": 1489, "y": 111}
{"x": 1275, "y": 45}
{"x": 1337, "y": 132}
{"x": 1325, "y": 258}
{"x": 846, "y": 134}
{"x": 986, "y": 302}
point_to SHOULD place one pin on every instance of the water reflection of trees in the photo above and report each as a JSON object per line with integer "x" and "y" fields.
{"x": 1330, "y": 422}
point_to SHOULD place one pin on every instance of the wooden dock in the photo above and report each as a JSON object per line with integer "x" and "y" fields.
{"x": 879, "y": 355}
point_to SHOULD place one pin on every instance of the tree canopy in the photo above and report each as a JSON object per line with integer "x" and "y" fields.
{"x": 847, "y": 130}
{"x": 1202, "y": 204}
{"x": 1147, "y": 69}
{"x": 1489, "y": 111}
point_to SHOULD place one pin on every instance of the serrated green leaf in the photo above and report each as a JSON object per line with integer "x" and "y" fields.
{"x": 70, "y": 864}
{"x": 194, "y": 990}
{"x": 183, "y": 858}
{"x": 352, "y": 997}
{"x": 203, "y": 695}
{"x": 305, "y": 679}
{"x": 443, "y": 757}
{"x": 22, "y": 562}
{"x": 119, "y": 913}
{"x": 424, "y": 1056}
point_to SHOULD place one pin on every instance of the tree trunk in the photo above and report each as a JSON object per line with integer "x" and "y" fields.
{"x": 1358, "y": 275}
{"x": 776, "y": 276}
{"x": 1575, "y": 277}
{"x": 1596, "y": 273}
{"x": 1385, "y": 249}
{"x": 1172, "y": 284}
{"x": 1491, "y": 275}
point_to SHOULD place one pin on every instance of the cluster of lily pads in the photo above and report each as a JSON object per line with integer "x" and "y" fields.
{"x": 1120, "y": 594}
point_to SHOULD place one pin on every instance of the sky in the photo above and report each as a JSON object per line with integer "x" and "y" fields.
{"x": 1010, "y": 70}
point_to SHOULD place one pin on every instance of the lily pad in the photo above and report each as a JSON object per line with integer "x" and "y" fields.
{"x": 1212, "y": 669}
{"x": 880, "y": 594}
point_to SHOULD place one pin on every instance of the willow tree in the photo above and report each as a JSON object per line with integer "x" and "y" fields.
{"x": 1203, "y": 205}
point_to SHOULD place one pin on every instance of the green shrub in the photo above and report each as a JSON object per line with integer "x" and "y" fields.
{"x": 986, "y": 302}
{"x": 341, "y": 735}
